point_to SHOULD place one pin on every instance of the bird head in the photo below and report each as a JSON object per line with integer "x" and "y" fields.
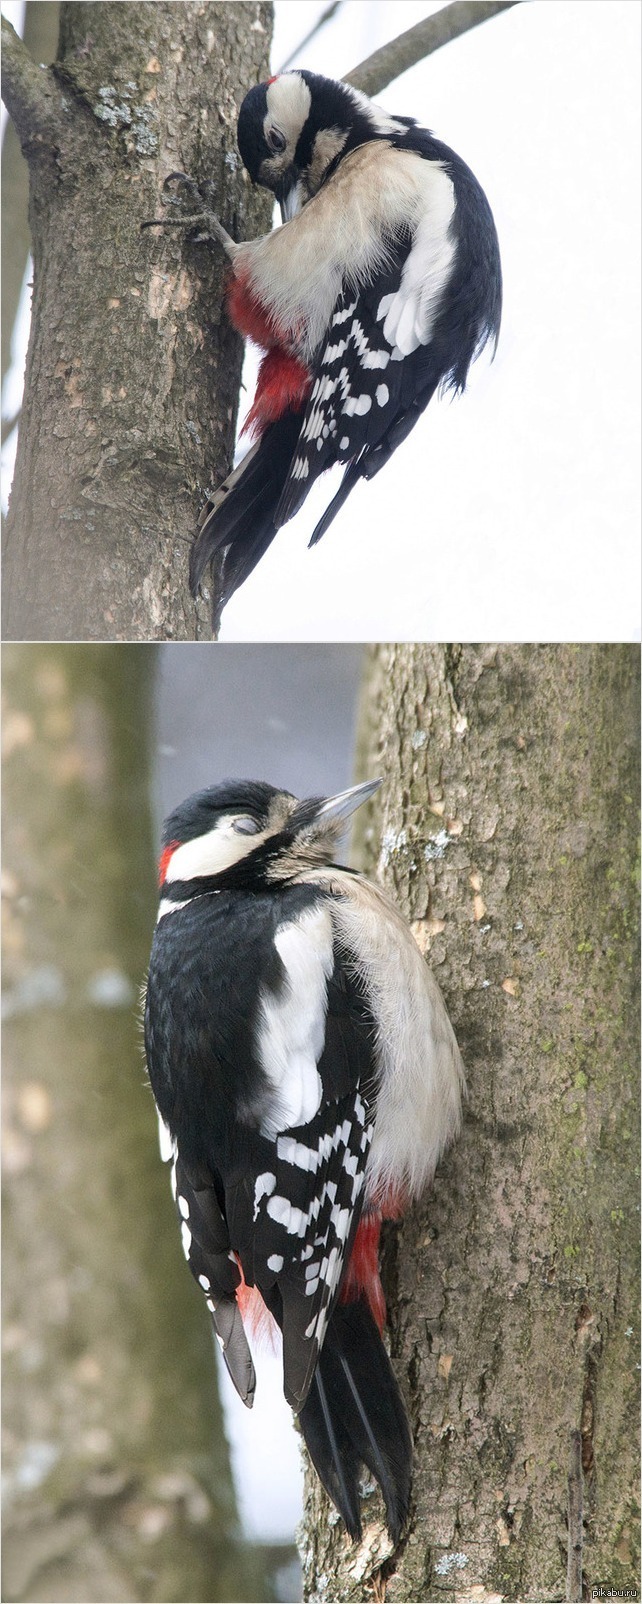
{"x": 294, "y": 127}
{"x": 246, "y": 834}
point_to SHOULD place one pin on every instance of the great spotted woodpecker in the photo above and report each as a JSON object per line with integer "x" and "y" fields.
{"x": 307, "y": 1080}
{"x": 383, "y": 283}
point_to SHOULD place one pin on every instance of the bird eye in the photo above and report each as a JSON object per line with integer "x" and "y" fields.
{"x": 275, "y": 140}
{"x": 246, "y": 826}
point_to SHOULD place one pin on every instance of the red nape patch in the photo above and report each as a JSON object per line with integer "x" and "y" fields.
{"x": 283, "y": 385}
{"x": 163, "y": 862}
{"x": 256, "y": 1318}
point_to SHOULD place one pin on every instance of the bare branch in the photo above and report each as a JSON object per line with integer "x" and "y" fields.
{"x": 379, "y": 69}
{"x": 326, "y": 16}
{"x": 30, "y": 94}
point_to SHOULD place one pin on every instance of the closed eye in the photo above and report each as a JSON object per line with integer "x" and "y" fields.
{"x": 275, "y": 140}
{"x": 246, "y": 825}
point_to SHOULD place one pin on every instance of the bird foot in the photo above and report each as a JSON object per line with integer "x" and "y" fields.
{"x": 202, "y": 223}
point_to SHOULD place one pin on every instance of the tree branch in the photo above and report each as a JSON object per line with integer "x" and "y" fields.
{"x": 379, "y": 69}
{"x": 326, "y": 16}
{"x": 31, "y": 96}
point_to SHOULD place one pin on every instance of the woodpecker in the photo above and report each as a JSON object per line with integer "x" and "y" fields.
{"x": 307, "y": 1080}
{"x": 383, "y": 283}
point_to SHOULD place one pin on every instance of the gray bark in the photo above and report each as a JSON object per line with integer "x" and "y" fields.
{"x": 509, "y": 826}
{"x": 133, "y": 370}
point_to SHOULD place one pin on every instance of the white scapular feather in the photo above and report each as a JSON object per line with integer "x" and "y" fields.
{"x": 292, "y": 1022}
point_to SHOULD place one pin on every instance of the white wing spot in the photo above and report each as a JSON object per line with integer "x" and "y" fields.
{"x": 275, "y": 1262}
{"x": 359, "y": 405}
{"x": 204, "y": 1281}
{"x": 375, "y": 359}
{"x": 297, "y": 1153}
{"x": 344, "y": 314}
{"x": 183, "y": 1206}
{"x": 263, "y": 1187}
{"x": 383, "y": 394}
{"x": 286, "y": 1214}
{"x": 186, "y": 1239}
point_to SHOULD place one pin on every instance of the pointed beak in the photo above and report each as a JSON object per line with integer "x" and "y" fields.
{"x": 342, "y": 806}
{"x": 291, "y": 203}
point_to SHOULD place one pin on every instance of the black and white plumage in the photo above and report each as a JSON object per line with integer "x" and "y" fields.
{"x": 307, "y": 1079}
{"x": 383, "y": 284}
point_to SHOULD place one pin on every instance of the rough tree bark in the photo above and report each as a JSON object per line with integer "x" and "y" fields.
{"x": 134, "y": 371}
{"x": 509, "y": 826}
{"x": 117, "y": 1483}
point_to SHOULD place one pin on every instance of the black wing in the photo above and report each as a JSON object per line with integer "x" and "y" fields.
{"x": 293, "y": 1212}
{"x": 362, "y": 388}
{"x": 282, "y": 1197}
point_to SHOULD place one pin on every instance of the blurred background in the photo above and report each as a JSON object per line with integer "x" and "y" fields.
{"x": 128, "y": 1474}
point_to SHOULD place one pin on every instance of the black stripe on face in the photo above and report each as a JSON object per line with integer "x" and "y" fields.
{"x": 250, "y": 130}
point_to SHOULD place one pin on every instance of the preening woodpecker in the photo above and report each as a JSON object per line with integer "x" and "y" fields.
{"x": 383, "y": 284}
{"x": 307, "y": 1080}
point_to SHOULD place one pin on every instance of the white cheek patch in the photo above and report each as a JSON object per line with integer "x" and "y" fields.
{"x": 291, "y": 1032}
{"x": 209, "y": 854}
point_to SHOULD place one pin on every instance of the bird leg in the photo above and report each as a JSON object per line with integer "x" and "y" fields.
{"x": 202, "y": 218}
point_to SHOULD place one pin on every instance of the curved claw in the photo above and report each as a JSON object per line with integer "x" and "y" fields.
{"x": 182, "y": 178}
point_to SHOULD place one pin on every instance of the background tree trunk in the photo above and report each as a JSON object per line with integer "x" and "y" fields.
{"x": 116, "y": 1469}
{"x": 133, "y": 370}
{"x": 509, "y": 827}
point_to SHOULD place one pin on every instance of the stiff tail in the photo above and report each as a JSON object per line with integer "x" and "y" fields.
{"x": 354, "y": 1415}
{"x": 238, "y": 524}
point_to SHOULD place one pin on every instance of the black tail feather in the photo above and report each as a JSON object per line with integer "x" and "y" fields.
{"x": 351, "y": 477}
{"x": 354, "y": 1415}
{"x": 240, "y": 522}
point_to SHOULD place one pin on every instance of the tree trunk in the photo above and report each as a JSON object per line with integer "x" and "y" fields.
{"x": 133, "y": 370}
{"x": 116, "y": 1470}
{"x": 40, "y": 34}
{"x": 509, "y": 829}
